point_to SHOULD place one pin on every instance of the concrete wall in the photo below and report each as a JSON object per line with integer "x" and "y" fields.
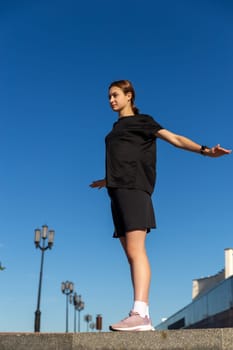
{"x": 209, "y": 339}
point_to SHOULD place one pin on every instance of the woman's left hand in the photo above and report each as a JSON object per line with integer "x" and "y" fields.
{"x": 216, "y": 151}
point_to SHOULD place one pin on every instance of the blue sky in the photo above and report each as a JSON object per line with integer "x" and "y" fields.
{"x": 57, "y": 59}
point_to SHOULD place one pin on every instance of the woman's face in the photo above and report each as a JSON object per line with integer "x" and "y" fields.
{"x": 118, "y": 100}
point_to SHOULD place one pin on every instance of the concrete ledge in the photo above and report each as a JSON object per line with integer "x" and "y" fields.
{"x": 201, "y": 339}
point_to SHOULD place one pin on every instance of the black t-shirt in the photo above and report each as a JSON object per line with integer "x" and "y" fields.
{"x": 131, "y": 153}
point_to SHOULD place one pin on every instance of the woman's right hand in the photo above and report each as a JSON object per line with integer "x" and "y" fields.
{"x": 98, "y": 184}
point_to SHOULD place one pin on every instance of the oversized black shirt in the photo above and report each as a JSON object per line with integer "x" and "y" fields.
{"x": 131, "y": 153}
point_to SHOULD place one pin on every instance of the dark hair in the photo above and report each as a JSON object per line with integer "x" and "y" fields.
{"x": 126, "y": 86}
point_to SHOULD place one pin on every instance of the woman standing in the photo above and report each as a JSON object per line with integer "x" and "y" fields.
{"x": 130, "y": 180}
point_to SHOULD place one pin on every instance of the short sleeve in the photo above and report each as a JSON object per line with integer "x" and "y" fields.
{"x": 152, "y": 125}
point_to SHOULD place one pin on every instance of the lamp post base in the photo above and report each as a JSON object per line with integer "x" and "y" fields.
{"x": 37, "y": 320}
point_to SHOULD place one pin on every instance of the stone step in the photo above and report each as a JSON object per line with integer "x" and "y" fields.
{"x": 201, "y": 339}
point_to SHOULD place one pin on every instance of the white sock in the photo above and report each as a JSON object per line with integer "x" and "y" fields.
{"x": 140, "y": 307}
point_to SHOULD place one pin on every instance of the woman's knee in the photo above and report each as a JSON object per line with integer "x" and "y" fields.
{"x": 135, "y": 254}
{"x": 134, "y": 245}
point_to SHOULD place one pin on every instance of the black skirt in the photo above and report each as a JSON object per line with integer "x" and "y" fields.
{"x": 131, "y": 210}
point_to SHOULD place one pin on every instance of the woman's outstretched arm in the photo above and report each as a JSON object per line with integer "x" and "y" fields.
{"x": 189, "y": 145}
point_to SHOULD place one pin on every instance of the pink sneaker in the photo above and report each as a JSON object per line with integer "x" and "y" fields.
{"x": 134, "y": 322}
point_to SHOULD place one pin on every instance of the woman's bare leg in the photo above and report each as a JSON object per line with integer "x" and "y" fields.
{"x": 134, "y": 246}
{"x": 139, "y": 319}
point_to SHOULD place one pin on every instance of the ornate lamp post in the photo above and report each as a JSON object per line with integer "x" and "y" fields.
{"x": 1, "y": 267}
{"x": 78, "y": 306}
{"x": 92, "y": 326}
{"x": 42, "y": 235}
{"x": 67, "y": 289}
{"x": 87, "y": 318}
{"x": 73, "y": 300}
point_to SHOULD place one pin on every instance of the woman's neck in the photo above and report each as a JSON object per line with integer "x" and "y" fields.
{"x": 126, "y": 112}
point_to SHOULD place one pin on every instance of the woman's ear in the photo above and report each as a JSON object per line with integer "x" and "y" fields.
{"x": 129, "y": 95}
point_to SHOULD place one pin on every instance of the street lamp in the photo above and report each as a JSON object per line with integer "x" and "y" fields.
{"x": 78, "y": 306}
{"x": 73, "y": 300}
{"x": 42, "y": 234}
{"x": 1, "y": 267}
{"x": 87, "y": 318}
{"x": 92, "y": 326}
{"x": 67, "y": 289}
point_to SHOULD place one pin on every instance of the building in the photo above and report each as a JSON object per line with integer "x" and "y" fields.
{"x": 212, "y": 302}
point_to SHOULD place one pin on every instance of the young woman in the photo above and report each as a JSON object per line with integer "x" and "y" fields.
{"x": 130, "y": 179}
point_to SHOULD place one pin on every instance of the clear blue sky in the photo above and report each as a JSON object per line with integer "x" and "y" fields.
{"x": 57, "y": 59}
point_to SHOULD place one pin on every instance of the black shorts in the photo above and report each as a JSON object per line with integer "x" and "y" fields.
{"x": 131, "y": 210}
